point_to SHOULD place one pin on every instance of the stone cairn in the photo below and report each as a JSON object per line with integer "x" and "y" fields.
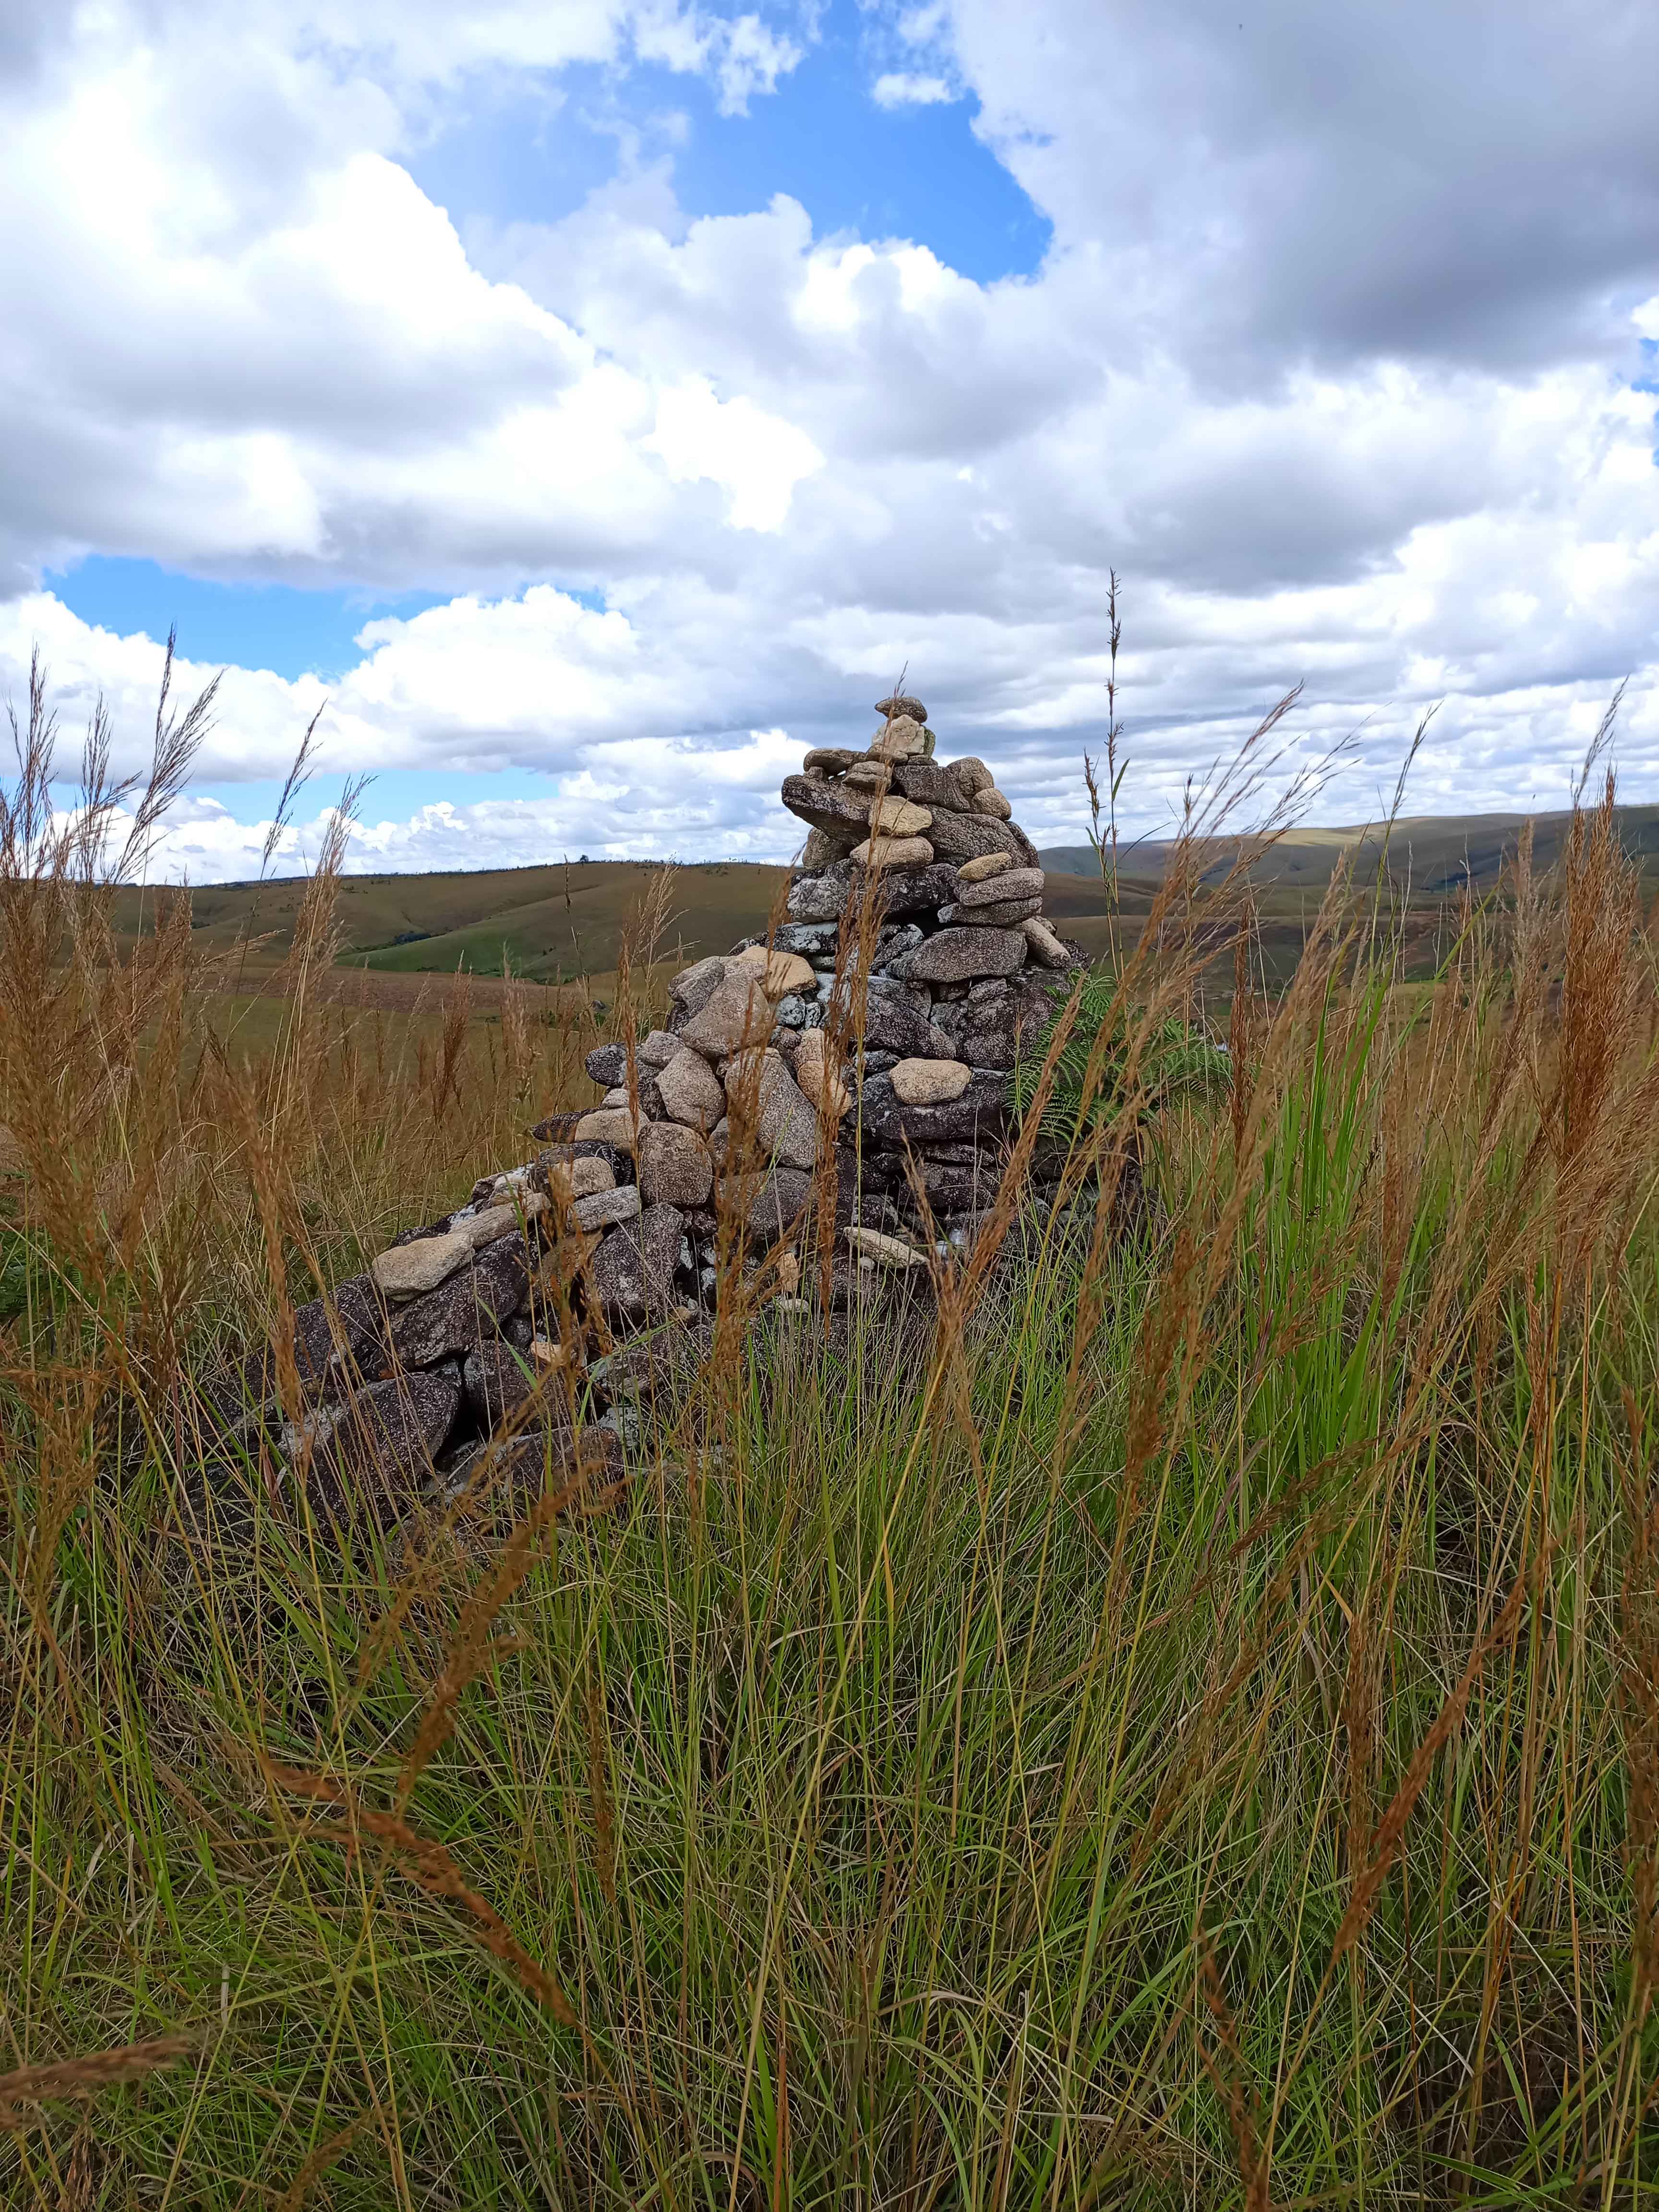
{"x": 861, "y": 1052}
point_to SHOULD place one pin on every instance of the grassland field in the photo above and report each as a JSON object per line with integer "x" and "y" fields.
{"x": 1173, "y": 1723}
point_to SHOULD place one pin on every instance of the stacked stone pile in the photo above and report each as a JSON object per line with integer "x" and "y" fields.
{"x": 863, "y": 1050}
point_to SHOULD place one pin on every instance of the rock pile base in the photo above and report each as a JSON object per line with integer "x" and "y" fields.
{"x": 857, "y": 1058}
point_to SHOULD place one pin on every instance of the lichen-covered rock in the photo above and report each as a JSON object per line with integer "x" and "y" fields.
{"x": 978, "y": 1116}
{"x": 967, "y": 836}
{"x": 767, "y": 1102}
{"x": 902, "y": 704}
{"x": 767, "y": 1204}
{"x": 992, "y": 802}
{"x": 903, "y": 739}
{"x": 972, "y": 774}
{"x": 820, "y": 1082}
{"x": 1005, "y": 914}
{"x": 499, "y": 1379}
{"x": 738, "y": 1014}
{"x": 607, "y": 1064}
{"x": 675, "y": 1168}
{"x": 841, "y": 813}
{"x": 693, "y": 987}
{"x": 691, "y": 1092}
{"x": 379, "y": 1452}
{"x": 959, "y": 956}
{"x": 608, "y": 1125}
{"x": 821, "y": 898}
{"x": 930, "y": 785}
{"x": 464, "y": 1310}
{"x": 605, "y": 1208}
{"x": 897, "y": 817}
{"x": 632, "y": 1273}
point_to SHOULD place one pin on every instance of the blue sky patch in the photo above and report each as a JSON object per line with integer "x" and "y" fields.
{"x": 912, "y": 171}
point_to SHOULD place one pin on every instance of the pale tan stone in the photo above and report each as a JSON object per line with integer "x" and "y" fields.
{"x": 993, "y": 803}
{"x": 779, "y": 972}
{"x": 988, "y": 865}
{"x": 930, "y": 1082}
{"x": 605, "y": 1208}
{"x": 901, "y": 740}
{"x": 1045, "y": 946}
{"x": 499, "y": 1221}
{"x": 899, "y": 817}
{"x": 893, "y": 852}
{"x": 569, "y": 1179}
{"x": 886, "y": 1251}
{"x": 1012, "y": 884}
{"x": 691, "y": 1091}
{"x": 616, "y": 1096}
{"x": 816, "y": 1075}
{"x": 971, "y": 773}
{"x": 607, "y": 1124}
{"x": 407, "y": 1270}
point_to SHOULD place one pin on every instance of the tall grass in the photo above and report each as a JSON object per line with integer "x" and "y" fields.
{"x": 1184, "y": 1731}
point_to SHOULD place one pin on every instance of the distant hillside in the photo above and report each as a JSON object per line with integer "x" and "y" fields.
{"x": 556, "y": 923}
{"x": 548, "y": 924}
{"x": 1434, "y": 856}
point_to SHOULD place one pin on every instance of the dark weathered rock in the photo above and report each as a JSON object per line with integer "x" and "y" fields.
{"x": 1007, "y": 914}
{"x": 965, "y": 836}
{"x": 464, "y": 1311}
{"x": 607, "y": 1064}
{"x": 499, "y": 1379}
{"x": 632, "y": 1273}
{"x": 894, "y": 1022}
{"x": 694, "y": 987}
{"x": 338, "y": 1342}
{"x": 378, "y": 1456}
{"x": 657, "y": 1371}
{"x": 841, "y": 812}
{"x": 901, "y": 702}
{"x": 978, "y": 1117}
{"x": 555, "y": 1128}
{"x": 997, "y": 1021}
{"x": 918, "y": 890}
{"x": 927, "y": 784}
{"x": 955, "y": 956}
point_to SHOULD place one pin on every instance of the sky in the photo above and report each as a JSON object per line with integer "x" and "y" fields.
{"x": 590, "y": 405}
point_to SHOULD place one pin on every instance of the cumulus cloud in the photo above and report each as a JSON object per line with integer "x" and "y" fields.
{"x": 908, "y": 88}
{"x": 1335, "y": 362}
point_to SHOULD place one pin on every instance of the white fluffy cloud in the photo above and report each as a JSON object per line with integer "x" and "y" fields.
{"x": 1340, "y": 403}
